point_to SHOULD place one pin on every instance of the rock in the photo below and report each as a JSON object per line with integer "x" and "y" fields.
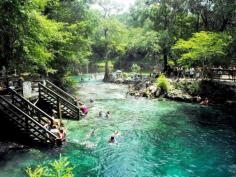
{"x": 153, "y": 89}
{"x": 119, "y": 80}
{"x": 187, "y": 91}
{"x": 179, "y": 95}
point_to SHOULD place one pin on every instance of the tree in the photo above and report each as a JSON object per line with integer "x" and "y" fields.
{"x": 214, "y": 15}
{"x": 168, "y": 18}
{"x": 27, "y": 35}
{"x": 144, "y": 41}
{"x": 203, "y": 47}
{"x": 110, "y": 33}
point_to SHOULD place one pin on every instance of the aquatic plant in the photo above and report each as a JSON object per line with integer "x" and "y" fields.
{"x": 37, "y": 172}
{"x": 163, "y": 83}
{"x": 56, "y": 168}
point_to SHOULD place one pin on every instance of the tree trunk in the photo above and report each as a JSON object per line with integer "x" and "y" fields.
{"x": 106, "y": 76}
{"x": 197, "y": 22}
{"x": 165, "y": 56}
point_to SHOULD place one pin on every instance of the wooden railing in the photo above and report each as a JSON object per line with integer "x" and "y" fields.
{"x": 61, "y": 102}
{"x": 223, "y": 74}
{"x": 24, "y": 121}
{"x": 29, "y": 108}
{"x": 61, "y": 92}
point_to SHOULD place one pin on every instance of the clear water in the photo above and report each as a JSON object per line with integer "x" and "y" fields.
{"x": 157, "y": 138}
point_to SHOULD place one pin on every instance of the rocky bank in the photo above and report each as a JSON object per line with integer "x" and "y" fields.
{"x": 188, "y": 90}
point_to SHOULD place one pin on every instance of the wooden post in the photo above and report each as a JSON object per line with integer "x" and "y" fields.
{"x": 78, "y": 113}
{"x": 27, "y": 125}
{"x": 39, "y": 91}
{"x": 58, "y": 108}
{"x": 12, "y": 98}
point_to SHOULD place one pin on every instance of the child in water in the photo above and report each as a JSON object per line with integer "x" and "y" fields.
{"x": 112, "y": 139}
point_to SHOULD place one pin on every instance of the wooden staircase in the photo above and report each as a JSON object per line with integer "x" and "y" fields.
{"x": 63, "y": 103}
{"x": 61, "y": 92}
{"x": 26, "y": 118}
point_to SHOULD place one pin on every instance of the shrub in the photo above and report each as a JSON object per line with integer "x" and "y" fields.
{"x": 57, "y": 168}
{"x": 135, "y": 68}
{"x": 125, "y": 75}
{"x": 163, "y": 83}
{"x": 191, "y": 88}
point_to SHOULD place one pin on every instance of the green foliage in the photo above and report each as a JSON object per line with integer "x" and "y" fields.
{"x": 192, "y": 88}
{"x": 57, "y": 36}
{"x": 135, "y": 68}
{"x": 144, "y": 41}
{"x": 57, "y": 168}
{"x": 203, "y": 47}
{"x": 111, "y": 35}
{"x": 125, "y": 75}
{"x": 163, "y": 83}
{"x": 40, "y": 36}
{"x": 42, "y": 33}
{"x": 60, "y": 168}
{"x": 39, "y": 171}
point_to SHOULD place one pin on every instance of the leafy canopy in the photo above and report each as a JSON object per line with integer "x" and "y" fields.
{"x": 202, "y": 46}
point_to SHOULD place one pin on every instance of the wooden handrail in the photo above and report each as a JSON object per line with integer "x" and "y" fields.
{"x": 58, "y": 96}
{"x": 32, "y": 106}
{"x": 216, "y": 73}
{"x": 27, "y": 117}
{"x": 62, "y": 92}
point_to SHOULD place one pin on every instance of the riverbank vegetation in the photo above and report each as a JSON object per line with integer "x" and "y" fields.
{"x": 52, "y": 37}
{"x": 56, "y": 168}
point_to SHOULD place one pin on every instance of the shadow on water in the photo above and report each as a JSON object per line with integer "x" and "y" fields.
{"x": 215, "y": 116}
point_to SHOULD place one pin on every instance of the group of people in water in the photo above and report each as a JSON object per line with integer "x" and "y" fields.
{"x": 84, "y": 110}
{"x": 57, "y": 128}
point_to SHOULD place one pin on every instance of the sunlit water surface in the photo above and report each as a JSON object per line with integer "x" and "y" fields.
{"x": 157, "y": 138}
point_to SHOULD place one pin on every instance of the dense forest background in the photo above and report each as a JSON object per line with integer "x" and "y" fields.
{"x": 58, "y": 37}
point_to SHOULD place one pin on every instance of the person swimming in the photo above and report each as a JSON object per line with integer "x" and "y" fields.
{"x": 100, "y": 114}
{"x": 112, "y": 139}
{"x": 62, "y": 134}
{"x": 108, "y": 114}
{"x": 205, "y": 102}
{"x": 84, "y": 109}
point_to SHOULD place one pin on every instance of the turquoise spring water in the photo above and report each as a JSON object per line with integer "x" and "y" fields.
{"x": 157, "y": 138}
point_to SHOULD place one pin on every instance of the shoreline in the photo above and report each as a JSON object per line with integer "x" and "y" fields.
{"x": 219, "y": 93}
